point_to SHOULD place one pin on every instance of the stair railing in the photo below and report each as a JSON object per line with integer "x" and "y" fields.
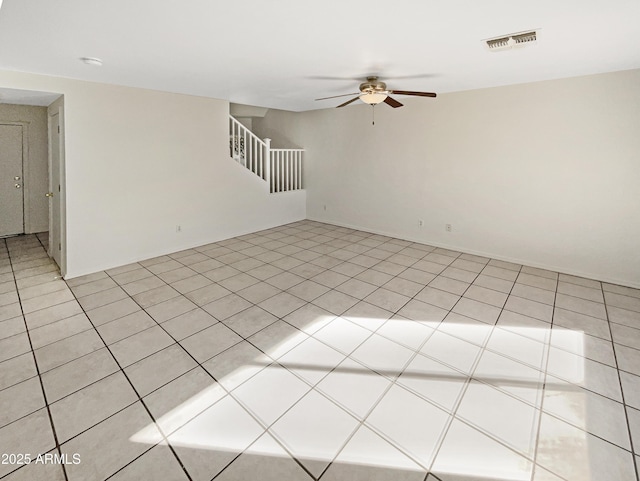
{"x": 280, "y": 168}
{"x": 286, "y": 169}
{"x": 247, "y": 149}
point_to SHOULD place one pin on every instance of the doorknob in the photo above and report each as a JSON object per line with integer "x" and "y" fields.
{"x": 17, "y": 186}
{"x": 49, "y": 194}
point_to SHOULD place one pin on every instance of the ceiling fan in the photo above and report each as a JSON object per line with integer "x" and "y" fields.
{"x": 374, "y": 91}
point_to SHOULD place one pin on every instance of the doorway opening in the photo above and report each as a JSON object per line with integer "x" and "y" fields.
{"x": 32, "y": 168}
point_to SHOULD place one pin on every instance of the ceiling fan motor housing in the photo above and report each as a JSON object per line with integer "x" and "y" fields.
{"x": 373, "y": 85}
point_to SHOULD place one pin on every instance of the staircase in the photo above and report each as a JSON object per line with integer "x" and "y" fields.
{"x": 281, "y": 169}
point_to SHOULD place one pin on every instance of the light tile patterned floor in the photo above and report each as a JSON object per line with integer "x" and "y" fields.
{"x": 311, "y": 351}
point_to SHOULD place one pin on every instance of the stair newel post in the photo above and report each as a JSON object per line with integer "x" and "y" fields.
{"x": 267, "y": 163}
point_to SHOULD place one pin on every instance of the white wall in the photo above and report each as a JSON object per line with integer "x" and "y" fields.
{"x": 141, "y": 162}
{"x": 546, "y": 174}
{"x": 36, "y": 205}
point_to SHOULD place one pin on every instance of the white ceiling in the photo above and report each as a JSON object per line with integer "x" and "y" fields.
{"x": 27, "y": 97}
{"x": 271, "y": 53}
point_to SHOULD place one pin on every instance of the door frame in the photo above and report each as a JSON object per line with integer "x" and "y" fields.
{"x": 26, "y": 220}
{"x": 57, "y": 108}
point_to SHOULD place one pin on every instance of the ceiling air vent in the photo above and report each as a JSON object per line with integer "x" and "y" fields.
{"x": 514, "y": 40}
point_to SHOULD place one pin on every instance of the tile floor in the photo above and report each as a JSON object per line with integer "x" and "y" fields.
{"x": 311, "y": 351}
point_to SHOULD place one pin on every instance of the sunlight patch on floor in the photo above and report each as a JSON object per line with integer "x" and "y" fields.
{"x": 433, "y": 377}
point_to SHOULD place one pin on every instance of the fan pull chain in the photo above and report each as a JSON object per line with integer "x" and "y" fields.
{"x": 373, "y": 114}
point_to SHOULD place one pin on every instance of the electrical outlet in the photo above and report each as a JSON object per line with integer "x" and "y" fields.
{"x": 178, "y": 228}
{"x": 447, "y": 227}
{"x": 420, "y": 223}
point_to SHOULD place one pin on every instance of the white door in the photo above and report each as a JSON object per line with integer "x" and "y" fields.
{"x": 54, "y": 191}
{"x": 11, "y": 182}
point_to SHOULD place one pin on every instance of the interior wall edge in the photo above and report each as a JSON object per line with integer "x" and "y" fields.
{"x": 524, "y": 262}
{"x": 163, "y": 252}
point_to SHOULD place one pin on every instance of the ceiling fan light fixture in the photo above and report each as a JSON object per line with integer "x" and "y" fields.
{"x": 373, "y": 98}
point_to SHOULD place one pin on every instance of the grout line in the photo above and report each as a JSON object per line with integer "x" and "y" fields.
{"x": 325, "y": 269}
{"x": 544, "y": 387}
{"x": 35, "y": 361}
{"x": 199, "y": 364}
{"x": 312, "y": 387}
{"x": 139, "y": 399}
{"x": 465, "y": 387}
{"x": 113, "y": 414}
{"x": 624, "y": 404}
{"x": 393, "y": 383}
{"x": 348, "y": 356}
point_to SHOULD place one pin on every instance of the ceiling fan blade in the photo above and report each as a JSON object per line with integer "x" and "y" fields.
{"x": 348, "y": 102}
{"x": 336, "y": 96}
{"x": 393, "y": 102}
{"x": 402, "y": 77}
{"x": 409, "y": 92}
{"x": 375, "y": 73}
{"x": 327, "y": 77}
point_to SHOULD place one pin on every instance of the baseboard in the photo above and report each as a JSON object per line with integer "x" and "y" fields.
{"x": 164, "y": 252}
{"x": 491, "y": 255}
